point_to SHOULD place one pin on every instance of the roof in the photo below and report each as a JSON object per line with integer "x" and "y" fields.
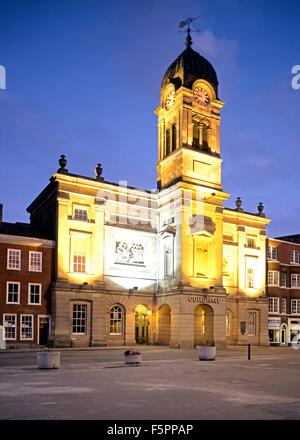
{"x": 295, "y": 238}
{"x": 22, "y": 230}
{"x": 189, "y": 67}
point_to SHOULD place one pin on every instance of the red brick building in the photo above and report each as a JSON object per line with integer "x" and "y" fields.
{"x": 283, "y": 288}
{"x": 26, "y": 271}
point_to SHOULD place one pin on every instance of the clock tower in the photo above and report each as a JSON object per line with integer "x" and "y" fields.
{"x": 189, "y": 122}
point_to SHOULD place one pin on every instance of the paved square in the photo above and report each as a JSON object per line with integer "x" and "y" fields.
{"x": 170, "y": 384}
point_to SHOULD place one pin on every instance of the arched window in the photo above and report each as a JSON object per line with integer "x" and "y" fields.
{"x": 205, "y": 137}
{"x": 173, "y": 137}
{"x": 229, "y": 323}
{"x": 196, "y": 134}
{"x": 167, "y": 142}
{"x": 116, "y": 324}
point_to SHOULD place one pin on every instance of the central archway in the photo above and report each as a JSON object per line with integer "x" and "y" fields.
{"x": 203, "y": 324}
{"x": 142, "y": 314}
{"x": 164, "y": 325}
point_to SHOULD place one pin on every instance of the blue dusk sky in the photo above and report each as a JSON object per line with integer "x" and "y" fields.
{"x": 83, "y": 79}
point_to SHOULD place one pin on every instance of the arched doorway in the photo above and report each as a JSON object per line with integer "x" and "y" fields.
{"x": 164, "y": 325}
{"x": 203, "y": 324}
{"x": 142, "y": 314}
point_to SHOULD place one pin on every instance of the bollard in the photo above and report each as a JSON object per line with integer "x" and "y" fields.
{"x": 249, "y": 352}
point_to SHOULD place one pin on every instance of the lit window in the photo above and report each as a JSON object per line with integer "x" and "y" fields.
{"x": 12, "y": 293}
{"x": 10, "y": 326}
{"x": 79, "y": 256}
{"x": 295, "y": 280}
{"x": 34, "y": 293}
{"x": 273, "y": 278}
{"x": 273, "y": 305}
{"x": 282, "y": 279}
{"x": 81, "y": 215}
{"x": 294, "y": 257}
{"x": 35, "y": 261}
{"x": 295, "y": 306}
{"x": 79, "y": 319}
{"x": 27, "y": 327}
{"x": 116, "y": 320}
{"x": 250, "y": 278}
{"x": 271, "y": 253}
{"x": 13, "y": 259}
{"x": 251, "y": 324}
{"x": 283, "y": 306}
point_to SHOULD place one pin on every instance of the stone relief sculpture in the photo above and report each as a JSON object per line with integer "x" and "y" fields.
{"x": 129, "y": 253}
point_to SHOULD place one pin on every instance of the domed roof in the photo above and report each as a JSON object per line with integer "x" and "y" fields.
{"x": 189, "y": 67}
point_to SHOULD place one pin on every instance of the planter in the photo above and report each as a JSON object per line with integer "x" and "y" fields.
{"x": 133, "y": 358}
{"x": 207, "y": 353}
{"x": 47, "y": 360}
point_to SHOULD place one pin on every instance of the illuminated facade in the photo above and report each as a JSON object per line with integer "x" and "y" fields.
{"x": 169, "y": 267}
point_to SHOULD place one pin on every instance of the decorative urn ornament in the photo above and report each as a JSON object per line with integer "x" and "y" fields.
{"x": 99, "y": 171}
{"x": 260, "y": 209}
{"x": 62, "y": 163}
{"x": 238, "y": 203}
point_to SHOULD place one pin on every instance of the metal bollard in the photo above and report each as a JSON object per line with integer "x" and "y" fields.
{"x": 249, "y": 352}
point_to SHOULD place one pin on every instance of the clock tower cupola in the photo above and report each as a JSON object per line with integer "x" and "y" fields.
{"x": 189, "y": 122}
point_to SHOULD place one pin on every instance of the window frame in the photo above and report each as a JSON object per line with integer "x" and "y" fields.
{"x": 297, "y": 275}
{"x": 7, "y": 259}
{"x": 15, "y": 326}
{"x": 283, "y": 301}
{"x": 77, "y": 318}
{"x": 29, "y": 294}
{"x": 81, "y": 209}
{"x": 19, "y": 292}
{"x": 254, "y": 313}
{"x": 297, "y": 305}
{"x": 274, "y": 300}
{"x": 278, "y": 278}
{"x": 41, "y": 261}
{"x": 272, "y": 248}
{"x": 32, "y": 327}
{"x": 293, "y": 253}
{"x": 112, "y": 321}
{"x": 285, "y": 277}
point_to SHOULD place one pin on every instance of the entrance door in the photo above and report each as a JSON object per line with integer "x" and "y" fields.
{"x": 44, "y": 330}
{"x": 141, "y": 324}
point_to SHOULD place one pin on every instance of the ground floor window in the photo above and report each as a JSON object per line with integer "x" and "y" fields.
{"x": 274, "y": 336}
{"x": 116, "y": 320}
{"x": 228, "y": 323}
{"x": 79, "y": 319}
{"x": 251, "y": 323}
{"x": 26, "y": 327}
{"x": 10, "y": 326}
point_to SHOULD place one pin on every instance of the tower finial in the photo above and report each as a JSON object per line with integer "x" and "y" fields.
{"x": 188, "y": 40}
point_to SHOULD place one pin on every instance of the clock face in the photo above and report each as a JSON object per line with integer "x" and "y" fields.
{"x": 170, "y": 100}
{"x": 201, "y": 96}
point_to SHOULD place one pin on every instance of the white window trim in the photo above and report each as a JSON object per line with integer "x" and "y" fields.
{"x": 297, "y": 285}
{"x": 16, "y": 326}
{"x": 295, "y": 313}
{"x": 271, "y": 258}
{"x": 35, "y": 252}
{"x": 26, "y": 339}
{"x": 40, "y": 302}
{"x": 38, "y": 326}
{"x": 7, "y": 259}
{"x": 294, "y": 262}
{"x": 273, "y": 271}
{"x": 273, "y": 302}
{"x": 285, "y": 302}
{"x": 19, "y": 293}
{"x": 86, "y": 323}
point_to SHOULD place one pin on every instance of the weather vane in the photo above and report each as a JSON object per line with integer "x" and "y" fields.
{"x": 187, "y": 22}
